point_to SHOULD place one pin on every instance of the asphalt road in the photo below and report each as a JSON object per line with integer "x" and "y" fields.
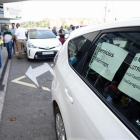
{"x": 27, "y": 112}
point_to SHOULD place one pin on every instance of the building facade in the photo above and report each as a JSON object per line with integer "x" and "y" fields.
{"x": 8, "y": 12}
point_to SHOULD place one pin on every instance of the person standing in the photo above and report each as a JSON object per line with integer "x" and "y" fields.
{"x": 54, "y": 30}
{"x": 73, "y": 28}
{"x": 70, "y": 28}
{"x": 62, "y": 35}
{"x": 14, "y": 41}
{"x": 20, "y": 36}
{"x": 1, "y": 42}
{"x": 8, "y": 39}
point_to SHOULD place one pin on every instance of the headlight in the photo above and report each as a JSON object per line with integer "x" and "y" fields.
{"x": 30, "y": 45}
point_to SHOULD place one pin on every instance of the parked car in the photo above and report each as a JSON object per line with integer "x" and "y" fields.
{"x": 96, "y": 88}
{"x": 41, "y": 43}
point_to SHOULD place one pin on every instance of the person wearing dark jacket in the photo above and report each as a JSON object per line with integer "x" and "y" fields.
{"x": 54, "y": 30}
{"x": 62, "y": 35}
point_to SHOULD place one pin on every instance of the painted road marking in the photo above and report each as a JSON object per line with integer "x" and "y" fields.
{"x": 34, "y": 73}
{"x": 45, "y": 88}
{"x": 17, "y": 81}
{"x": 23, "y": 83}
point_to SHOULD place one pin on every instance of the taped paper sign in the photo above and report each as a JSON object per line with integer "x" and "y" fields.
{"x": 107, "y": 59}
{"x": 130, "y": 83}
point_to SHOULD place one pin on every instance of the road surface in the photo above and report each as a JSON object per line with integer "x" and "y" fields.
{"x": 27, "y": 112}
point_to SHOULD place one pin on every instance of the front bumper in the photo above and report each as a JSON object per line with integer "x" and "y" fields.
{"x": 35, "y": 53}
{"x": 38, "y": 55}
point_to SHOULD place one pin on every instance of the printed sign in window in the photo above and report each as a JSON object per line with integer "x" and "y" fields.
{"x": 130, "y": 83}
{"x": 107, "y": 59}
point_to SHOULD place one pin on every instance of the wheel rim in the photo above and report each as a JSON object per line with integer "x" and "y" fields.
{"x": 60, "y": 130}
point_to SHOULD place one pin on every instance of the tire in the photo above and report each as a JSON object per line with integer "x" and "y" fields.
{"x": 59, "y": 125}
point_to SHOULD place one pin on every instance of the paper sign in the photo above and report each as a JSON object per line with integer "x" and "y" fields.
{"x": 130, "y": 83}
{"x": 107, "y": 59}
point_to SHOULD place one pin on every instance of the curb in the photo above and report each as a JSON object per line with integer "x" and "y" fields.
{"x": 2, "y": 75}
{"x": 4, "y": 84}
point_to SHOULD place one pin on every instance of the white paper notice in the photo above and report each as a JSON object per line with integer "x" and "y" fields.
{"x": 130, "y": 83}
{"x": 107, "y": 59}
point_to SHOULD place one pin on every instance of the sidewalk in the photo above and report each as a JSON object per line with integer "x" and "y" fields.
{"x": 4, "y": 62}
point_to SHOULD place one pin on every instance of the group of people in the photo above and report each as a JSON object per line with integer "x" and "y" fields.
{"x": 16, "y": 36}
{"x": 61, "y": 33}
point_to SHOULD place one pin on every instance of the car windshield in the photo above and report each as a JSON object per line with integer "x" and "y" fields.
{"x": 41, "y": 34}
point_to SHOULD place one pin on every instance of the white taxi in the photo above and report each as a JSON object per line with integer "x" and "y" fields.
{"x": 41, "y": 44}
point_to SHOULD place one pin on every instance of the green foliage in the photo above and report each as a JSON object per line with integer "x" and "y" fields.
{"x": 32, "y": 24}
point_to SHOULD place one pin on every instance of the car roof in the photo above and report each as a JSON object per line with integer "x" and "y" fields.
{"x": 38, "y": 29}
{"x": 111, "y": 25}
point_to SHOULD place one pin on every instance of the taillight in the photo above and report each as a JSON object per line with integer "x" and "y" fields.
{"x": 55, "y": 58}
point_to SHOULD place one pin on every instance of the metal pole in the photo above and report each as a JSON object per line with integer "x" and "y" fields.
{"x": 105, "y": 11}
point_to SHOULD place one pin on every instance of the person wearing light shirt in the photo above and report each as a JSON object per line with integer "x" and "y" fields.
{"x": 8, "y": 38}
{"x": 20, "y": 36}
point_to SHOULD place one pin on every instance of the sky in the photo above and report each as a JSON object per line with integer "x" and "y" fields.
{"x": 37, "y": 10}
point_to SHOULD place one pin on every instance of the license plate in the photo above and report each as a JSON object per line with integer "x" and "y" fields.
{"x": 45, "y": 53}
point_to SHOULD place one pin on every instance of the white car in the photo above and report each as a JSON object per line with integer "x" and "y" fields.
{"x": 41, "y": 43}
{"x": 96, "y": 86}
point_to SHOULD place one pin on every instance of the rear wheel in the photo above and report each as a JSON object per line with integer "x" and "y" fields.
{"x": 59, "y": 125}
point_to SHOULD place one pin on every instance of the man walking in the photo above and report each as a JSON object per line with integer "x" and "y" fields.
{"x": 14, "y": 41}
{"x": 8, "y": 37}
{"x": 20, "y": 36}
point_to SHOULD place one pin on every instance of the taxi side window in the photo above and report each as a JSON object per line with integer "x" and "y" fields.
{"x": 112, "y": 68}
{"x": 78, "y": 47}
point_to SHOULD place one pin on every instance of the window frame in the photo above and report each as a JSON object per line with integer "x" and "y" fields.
{"x": 95, "y": 37}
{"x": 112, "y": 109}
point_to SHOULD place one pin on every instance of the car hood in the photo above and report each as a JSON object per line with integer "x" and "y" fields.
{"x": 46, "y": 43}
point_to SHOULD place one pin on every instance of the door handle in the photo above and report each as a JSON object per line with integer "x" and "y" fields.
{"x": 69, "y": 96}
